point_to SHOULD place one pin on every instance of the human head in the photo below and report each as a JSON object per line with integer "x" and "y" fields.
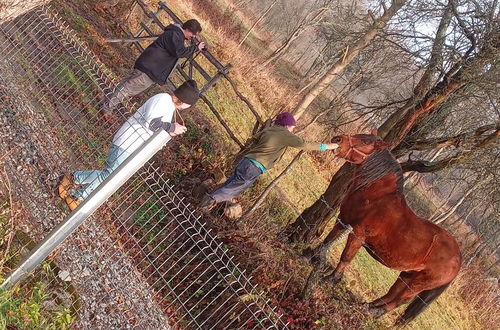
{"x": 191, "y": 28}
{"x": 287, "y": 120}
{"x": 186, "y": 95}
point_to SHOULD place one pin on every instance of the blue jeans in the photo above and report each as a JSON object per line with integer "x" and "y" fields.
{"x": 244, "y": 175}
{"x": 91, "y": 179}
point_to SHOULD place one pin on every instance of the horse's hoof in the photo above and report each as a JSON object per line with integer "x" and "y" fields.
{"x": 376, "y": 312}
{"x": 376, "y": 303}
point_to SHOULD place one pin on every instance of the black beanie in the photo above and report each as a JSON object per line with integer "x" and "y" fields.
{"x": 188, "y": 92}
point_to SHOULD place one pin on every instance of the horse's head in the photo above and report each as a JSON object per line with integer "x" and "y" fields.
{"x": 357, "y": 148}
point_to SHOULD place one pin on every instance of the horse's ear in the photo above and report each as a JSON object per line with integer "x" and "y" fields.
{"x": 375, "y": 132}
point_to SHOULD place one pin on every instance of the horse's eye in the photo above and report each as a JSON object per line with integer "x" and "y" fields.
{"x": 336, "y": 139}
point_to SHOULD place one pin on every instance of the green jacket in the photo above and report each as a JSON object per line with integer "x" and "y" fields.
{"x": 272, "y": 143}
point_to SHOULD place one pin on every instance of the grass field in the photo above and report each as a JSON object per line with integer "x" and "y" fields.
{"x": 33, "y": 305}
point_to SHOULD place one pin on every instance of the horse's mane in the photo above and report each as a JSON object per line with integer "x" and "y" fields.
{"x": 378, "y": 164}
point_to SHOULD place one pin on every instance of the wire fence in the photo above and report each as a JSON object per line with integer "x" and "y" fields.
{"x": 142, "y": 260}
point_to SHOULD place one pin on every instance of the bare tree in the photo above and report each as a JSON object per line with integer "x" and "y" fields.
{"x": 461, "y": 70}
{"x": 348, "y": 54}
{"x": 261, "y": 17}
{"x": 310, "y": 20}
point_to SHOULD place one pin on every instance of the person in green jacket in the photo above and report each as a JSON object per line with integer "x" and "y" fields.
{"x": 270, "y": 147}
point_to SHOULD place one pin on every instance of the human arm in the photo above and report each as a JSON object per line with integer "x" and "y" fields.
{"x": 328, "y": 146}
{"x": 173, "y": 129}
{"x": 173, "y": 43}
{"x": 295, "y": 141}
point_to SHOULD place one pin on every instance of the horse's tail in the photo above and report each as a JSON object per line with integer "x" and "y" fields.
{"x": 419, "y": 303}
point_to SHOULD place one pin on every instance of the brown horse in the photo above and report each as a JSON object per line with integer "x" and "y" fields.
{"x": 375, "y": 207}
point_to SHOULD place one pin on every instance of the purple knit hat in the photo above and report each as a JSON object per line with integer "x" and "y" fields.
{"x": 285, "y": 119}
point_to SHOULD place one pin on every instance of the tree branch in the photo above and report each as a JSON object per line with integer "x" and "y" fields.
{"x": 423, "y": 166}
{"x": 441, "y": 142}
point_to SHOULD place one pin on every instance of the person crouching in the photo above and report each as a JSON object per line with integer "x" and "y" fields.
{"x": 269, "y": 149}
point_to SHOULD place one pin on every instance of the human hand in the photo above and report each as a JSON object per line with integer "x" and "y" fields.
{"x": 202, "y": 45}
{"x": 179, "y": 129}
{"x": 332, "y": 146}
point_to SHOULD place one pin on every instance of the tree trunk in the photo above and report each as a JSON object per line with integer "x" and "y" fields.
{"x": 283, "y": 47}
{"x": 481, "y": 247}
{"x": 312, "y": 221}
{"x": 308, "y": 21}
{"x": 257, "y": 22}
{"x": 10, "y": 9}
{"x": 349, "y": 54}
{"x": 466, "y": 216}
{"x": 452, "y": 210}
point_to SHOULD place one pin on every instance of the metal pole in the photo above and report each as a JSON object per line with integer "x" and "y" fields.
{"x": 112, "y": 183}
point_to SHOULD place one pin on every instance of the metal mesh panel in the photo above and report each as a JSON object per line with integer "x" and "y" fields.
{"x": 142, "y": 260}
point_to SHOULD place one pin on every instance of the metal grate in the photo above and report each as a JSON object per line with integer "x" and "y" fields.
{"x": 144, "y": 259}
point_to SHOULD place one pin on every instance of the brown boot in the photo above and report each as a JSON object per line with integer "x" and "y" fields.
{"x": 65, "y": 185}
{"x": 72, "y": 202}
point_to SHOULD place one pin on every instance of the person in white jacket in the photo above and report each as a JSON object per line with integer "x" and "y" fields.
{"x": 156, "y": 113}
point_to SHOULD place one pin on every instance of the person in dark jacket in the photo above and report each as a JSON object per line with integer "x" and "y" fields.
{"x": 270, "y": 147}
{"x": 156, "y": 63}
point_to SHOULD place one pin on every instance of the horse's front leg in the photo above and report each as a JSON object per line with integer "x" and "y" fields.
{"x": 352, "y": 247}
{"x": 315, "y": 255}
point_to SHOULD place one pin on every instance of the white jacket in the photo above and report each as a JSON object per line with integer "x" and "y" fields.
{"x": 135, "y": 131}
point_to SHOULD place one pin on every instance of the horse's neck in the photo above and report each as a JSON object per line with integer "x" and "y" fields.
{"x": 380, "y": 164}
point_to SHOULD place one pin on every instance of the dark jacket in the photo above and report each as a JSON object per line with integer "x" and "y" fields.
{"x": 160, "y": 58}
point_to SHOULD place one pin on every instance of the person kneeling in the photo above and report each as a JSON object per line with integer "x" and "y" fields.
{"x": 270, "y": 147}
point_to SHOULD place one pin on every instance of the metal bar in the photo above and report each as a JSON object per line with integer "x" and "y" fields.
{"x": 151, "y": 14}
{"x": 133, "y": 163}
{"x": 200, "y": 69}
{"x": 147, "y": 29}
{"x": 214, "y": 79}
{"x": 144, "y": 26}
{"x": 135, "y": 39}
{"x": 170, "y": 13}
{"x": 135, "y": 43}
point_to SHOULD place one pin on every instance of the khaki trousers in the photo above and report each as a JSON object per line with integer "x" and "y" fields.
{"x": 135, "y": 83}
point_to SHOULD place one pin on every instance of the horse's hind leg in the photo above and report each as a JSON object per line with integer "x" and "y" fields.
{"x": 409, "y": 286}
{"x": 351, "y": 248}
